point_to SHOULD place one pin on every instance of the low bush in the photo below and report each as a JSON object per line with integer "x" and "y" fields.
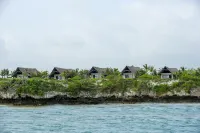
{"x": 161, "y": 89}
{"x": 109, "y": 85}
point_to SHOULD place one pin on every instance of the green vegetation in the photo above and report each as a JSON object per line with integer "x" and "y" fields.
{"x": 4, "y": 73}
{"x": 78, "y": 83}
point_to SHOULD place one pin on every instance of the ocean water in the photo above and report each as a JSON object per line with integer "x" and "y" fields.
{"x": 109, "y": 118}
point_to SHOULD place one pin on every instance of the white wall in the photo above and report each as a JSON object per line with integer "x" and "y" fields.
{"x": 21, "y": 76}
{"x": 166, "y": 75}
{"x": 97, "y": 75}
{"x": 130, "y": 75}
{"x": 59, "y": 77}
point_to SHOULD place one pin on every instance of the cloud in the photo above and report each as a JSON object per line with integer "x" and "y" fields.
{"x": 113, "y": 33}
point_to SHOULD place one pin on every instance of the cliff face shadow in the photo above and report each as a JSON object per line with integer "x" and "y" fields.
{"x": 65, "y": 100}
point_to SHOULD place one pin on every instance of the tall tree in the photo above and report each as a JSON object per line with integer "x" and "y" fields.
{"x": 112, "y": 71}
{"x": 6, "y": 71}
{"x": 83, "y": 73}
{"x": 140, "y": 73}
{"x": 44, "y": 74}
{"x": 69, "y": 73}
{"x": 182, "y": 69}
{"x": 152, "y": 70}
{"x": 1, "y": 73}
{"x": 146, "y": 67}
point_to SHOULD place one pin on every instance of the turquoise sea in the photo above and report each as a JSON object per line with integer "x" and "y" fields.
{"x": 109, "y": 118}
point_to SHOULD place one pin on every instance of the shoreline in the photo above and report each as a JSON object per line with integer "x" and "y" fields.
{"x": 65, "y": 100}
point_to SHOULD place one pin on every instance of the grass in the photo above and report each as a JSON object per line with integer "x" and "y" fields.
{"x": 110, "y": 85}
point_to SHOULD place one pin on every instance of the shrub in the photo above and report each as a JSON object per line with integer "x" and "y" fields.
{"x": 37, "y": 86}
{"x": 4, "y": 85}
{"x": 76, "y": 86}
{"x": 148, "y": 77}
{"x": 143, "y": 86}
{"x": 161, "y": 89}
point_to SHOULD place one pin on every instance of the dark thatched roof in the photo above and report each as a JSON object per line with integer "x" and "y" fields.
{"x": 130, "y": 69}
{"x": 61, "y": 70}
{"x": 25, "y": 71}
{"x": 97, "y": 70}
{"x": 57, "y": 70}
{"x": 168, "y": 70}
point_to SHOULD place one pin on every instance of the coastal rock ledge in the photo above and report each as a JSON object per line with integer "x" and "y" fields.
{"x": 51, "y": 98}
{"x": 65, "y": 100}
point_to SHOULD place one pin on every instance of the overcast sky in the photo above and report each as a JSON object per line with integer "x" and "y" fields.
{"x": 104, "y": 33}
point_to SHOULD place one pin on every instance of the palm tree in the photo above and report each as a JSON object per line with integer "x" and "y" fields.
{"x": 44, "y": 74}
{"x": 77, "y": 70}
{"x": 6, "y": 71}
{"x": 116, "y": 71}
{"x": 151, "y": 69}
{"x": 69, "y": 74}
{"x": 155, "y": 73}
{"x": 182, "y": 69}
{"x": 1, "y": 73}
{"x": 146, "y": 67}
{"x": 83, "y": 73}
{"x": 140, "y": 73}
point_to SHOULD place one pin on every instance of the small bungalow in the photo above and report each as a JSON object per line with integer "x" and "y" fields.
{"x": 25, "y": 72}
{"x": 129, "y": 71}
{"x": 56, "y": 73}
{"x": 168, "y": 73}
{"x": 97, "y": 72}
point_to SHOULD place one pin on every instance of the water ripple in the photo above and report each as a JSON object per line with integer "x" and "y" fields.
{"x": 111, "y": 118}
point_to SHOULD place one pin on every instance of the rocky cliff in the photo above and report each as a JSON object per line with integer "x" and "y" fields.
{"x": 129, "y": 97}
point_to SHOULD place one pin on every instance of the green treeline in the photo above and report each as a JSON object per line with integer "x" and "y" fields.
{"x": 78, "y": 82}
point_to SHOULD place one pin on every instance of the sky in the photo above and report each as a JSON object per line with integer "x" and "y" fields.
{"x": 105, "y": 33}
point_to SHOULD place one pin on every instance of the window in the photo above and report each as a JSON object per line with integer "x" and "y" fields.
{"x": 126, "y": 76}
